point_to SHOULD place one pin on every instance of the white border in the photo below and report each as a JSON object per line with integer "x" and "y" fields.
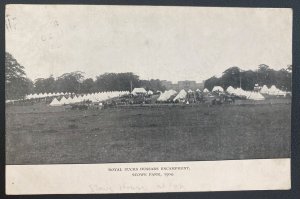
{"x": 230, "y": 175}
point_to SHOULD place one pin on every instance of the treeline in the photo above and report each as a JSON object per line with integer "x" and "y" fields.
{"x": 264, "y": 75}
{"x": 75, "y": 82}
{"x": 17, "y": 85}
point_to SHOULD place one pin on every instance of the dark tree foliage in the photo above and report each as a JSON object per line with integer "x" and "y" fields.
{"x": 75, "y": 82}
{"x": 211, "y": 82}
{"x": 230, "y": 77}
{"x": 153, "y": 84}
{"x": 87, "y": 86}
{"x": 116, "y": 82}
{"x": 235, "y": 77}
{"x": 46, "y": 85}
{"x": 248, "y": 80}
{"x": 69, "y": 82}
{"x": 17, "y": 85}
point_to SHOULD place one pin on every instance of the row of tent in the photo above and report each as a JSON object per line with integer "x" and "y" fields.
{"x": 44, "y": 95}
{"x": 272, "y": 91}
{"x": 170, "y": 93}
{"x": 94, "y": 97}
{"x": 252, "y": 95}
{"x": 135, "y": 91}
{"x": 264, "y": 90}
{"x": 257, "y": 95}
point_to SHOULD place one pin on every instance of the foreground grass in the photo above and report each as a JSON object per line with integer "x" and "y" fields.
{"x": 141, "y": 134}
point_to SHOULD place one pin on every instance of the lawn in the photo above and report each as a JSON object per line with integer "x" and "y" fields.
{"x": 46, "y": 135}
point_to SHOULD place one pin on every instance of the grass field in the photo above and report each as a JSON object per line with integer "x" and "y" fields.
{"x": 42, "y": 135}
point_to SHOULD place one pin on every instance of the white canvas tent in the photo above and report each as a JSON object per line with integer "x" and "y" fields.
{"x": 55, "y": 102}
{"x": 217, "y": 88}
{"x": 275, "y": 91}
{"x": 240, "y": 92}
{"x": 69, "y": 100}
{"x": 138, "y": 91}
{"x": 264, "y": 90}
{"x": 150, "y": 92}
{"x": 205, "y": 90}
{"x": 181, "y": 96}
{"x": 255, "y": 96}
{"x": 63, "y": 100}
{"x": 166, "y": 95}
{"x": 230, "y": 89}
{"x": 75, "y": 99}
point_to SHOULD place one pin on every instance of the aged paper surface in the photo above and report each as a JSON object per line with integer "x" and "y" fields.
{"x": 231, "y": 175}
{"x": 139, "y": 99}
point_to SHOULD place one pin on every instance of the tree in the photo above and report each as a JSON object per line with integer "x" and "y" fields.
{"x": 231, "y": 77}
{"x": 116, "y": 82}
{"x": 87, "y": 86}
{"x": 69, "y": 82}
{"x": 153, "y": 84}
{"x": 211, "y": 82}
{"x": 42, "y": 85}
{"x": 248, "y": 79}
{"x": 17, "y": 85}
{"x": 264, "y": 75}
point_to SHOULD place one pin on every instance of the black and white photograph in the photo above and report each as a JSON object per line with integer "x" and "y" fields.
{"x": 108, "y": 85}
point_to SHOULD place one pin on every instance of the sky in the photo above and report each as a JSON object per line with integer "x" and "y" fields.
{"x": 154, "y": 42}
